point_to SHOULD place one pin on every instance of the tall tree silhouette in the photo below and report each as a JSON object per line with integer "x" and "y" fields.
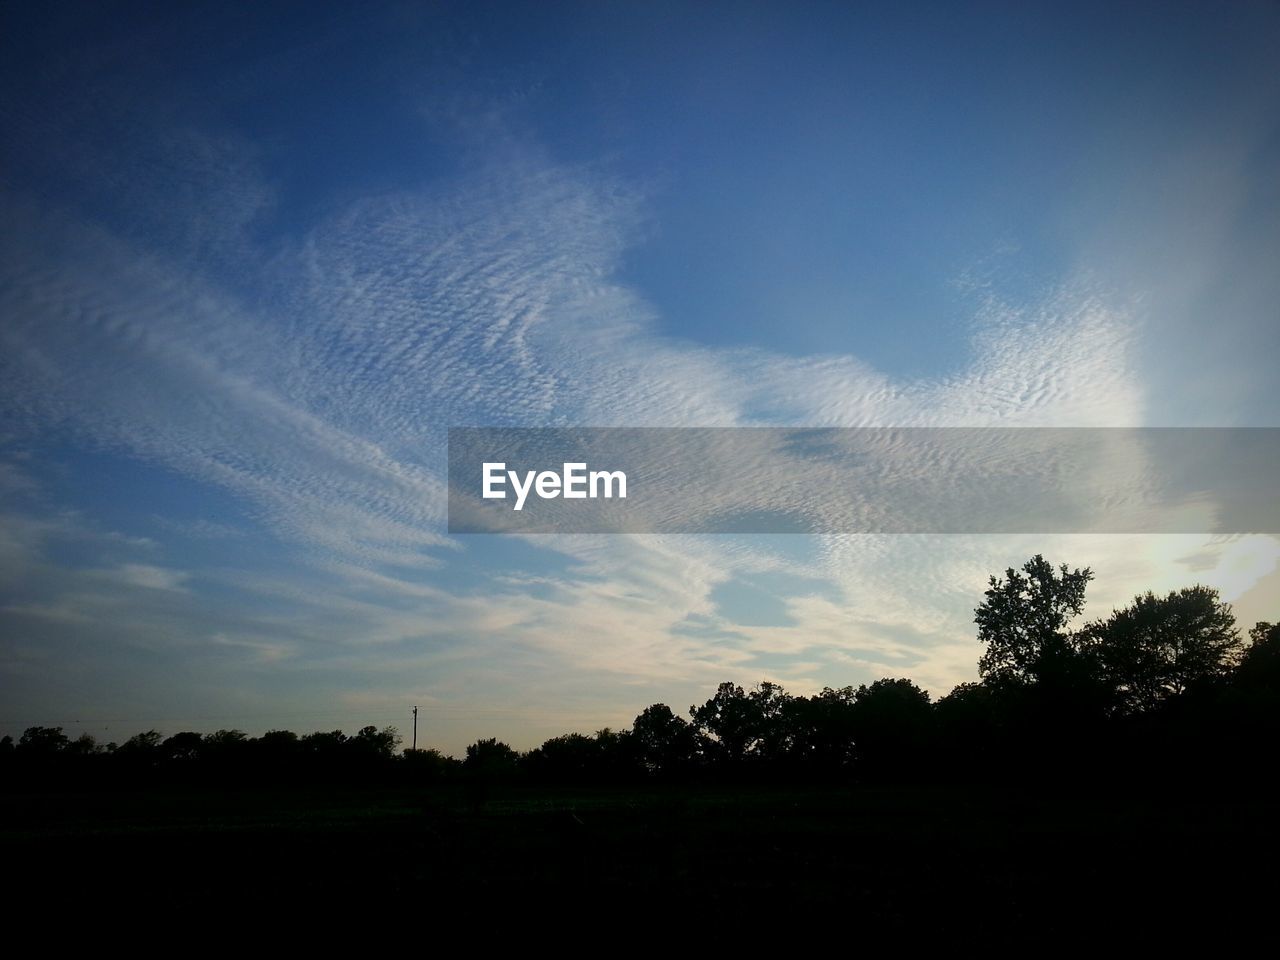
{"x": 1023, "y": 623}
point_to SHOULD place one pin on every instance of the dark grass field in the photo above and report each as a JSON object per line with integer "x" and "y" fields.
{"x": 981, "y": 862}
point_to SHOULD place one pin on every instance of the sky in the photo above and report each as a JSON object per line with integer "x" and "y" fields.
{"x": 256, "y": 260}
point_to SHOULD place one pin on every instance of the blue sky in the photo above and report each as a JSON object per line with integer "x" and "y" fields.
{"x": 257, "y": 261}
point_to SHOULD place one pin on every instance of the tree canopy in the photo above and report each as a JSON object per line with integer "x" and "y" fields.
{"x": 1159, "y": 647}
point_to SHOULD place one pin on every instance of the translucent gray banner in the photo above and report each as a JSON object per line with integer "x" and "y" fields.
{"x": 863, "y": 480}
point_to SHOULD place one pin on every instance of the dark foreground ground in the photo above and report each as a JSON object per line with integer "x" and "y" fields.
{"x": 979, "y": 862}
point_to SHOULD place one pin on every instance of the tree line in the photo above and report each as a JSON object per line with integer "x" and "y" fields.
{"x": 1165, "y": 687}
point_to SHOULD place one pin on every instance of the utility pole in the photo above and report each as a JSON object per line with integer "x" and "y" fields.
{"x": 415, "y": 729}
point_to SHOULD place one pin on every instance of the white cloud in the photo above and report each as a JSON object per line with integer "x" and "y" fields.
{"x": 149, "y": 577}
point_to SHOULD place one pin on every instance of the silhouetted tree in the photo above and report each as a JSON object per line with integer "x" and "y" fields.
{"x": 229, "y": 751}
{"x": 278, "y": 746}
{"x": 728, "y": 718}
{"x": 83, "y": 746}
{"x": 1045, "y": 680}
{"x": 1259, "y": 666}
{"x": 140, "y": 755}
{"x": 664, "y": 741}
{"x": 429, "y": 766}
{"x": 821, "y": 729}
{"x": 491, "y": 757}
{"x": 370, "y": 743}
{"x": 618, "y": 753}
{"x": 570, "y": 756}
{"x": 324, "y": 747}
{"x": 182, "y": 748}
{"x": 744, "y": 723}
{"x": 488, "y": 761}
{"x": 772, "y": 738}
{"x": 1023, "y": 623}
{"x": 142, "y": 745}
{"x": 1254, "y": 696}
{"x": 1159, "y": 647}
{"x": 42, "y": 741}
{"x": 892, "y": 721}
{"x": 969, "y": 730}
